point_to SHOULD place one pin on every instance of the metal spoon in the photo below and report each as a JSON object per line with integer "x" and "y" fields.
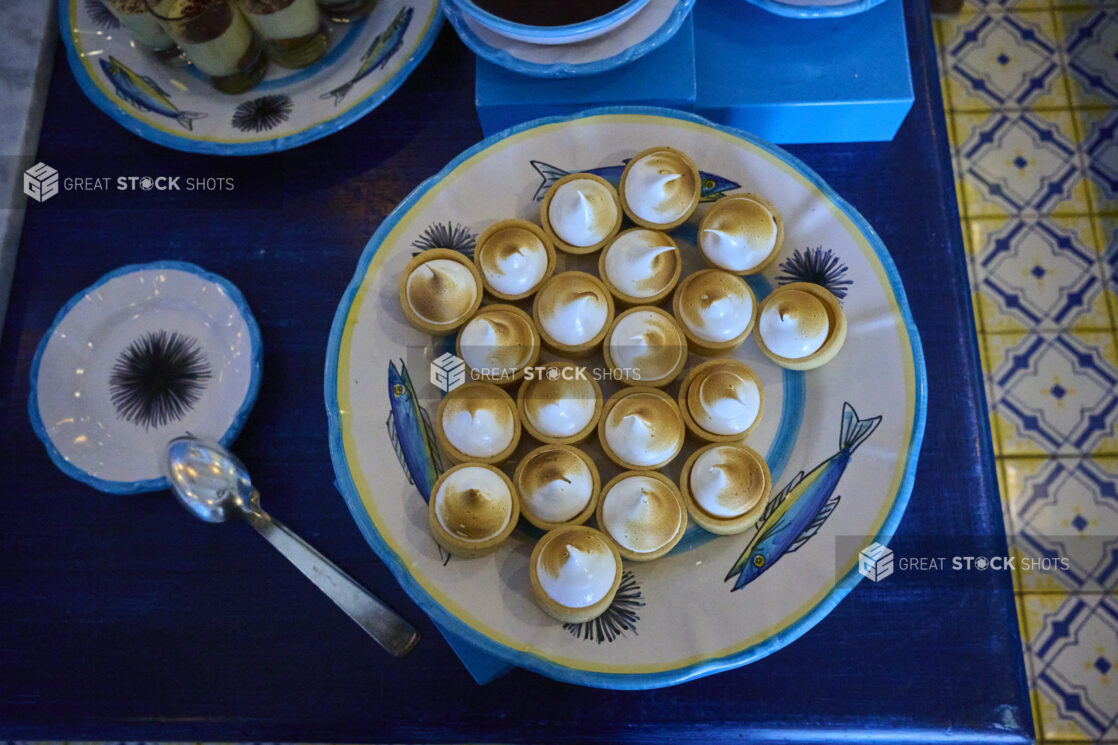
{"x": 213, "y": 484}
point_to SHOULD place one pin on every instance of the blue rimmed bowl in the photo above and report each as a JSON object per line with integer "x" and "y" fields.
{"x": 176, "y": 107}
{"x": 551, "y": 35}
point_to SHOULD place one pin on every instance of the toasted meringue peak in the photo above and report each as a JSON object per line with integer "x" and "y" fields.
{"x": 643, "y": 429}
{"x": 479, "y": 421}
{"x": 641, "y": 513}
{"x": 582, "y": 212}
{"x": 576, "y": 568}
{"x": 738, "y": 234}
{"x": 727, "y": 481}
{"x": 723, "y": 400}
{"x": 441, "y": 290}
{"x": 660, "y": 187}
{"x": 573, "y": 308}
{"x": 715, "y": 306}
{"x": 641, "y": 263}
{"x": 497, "y": 340}
{"x": 648, "y": 343}
{"x": 559, "y": 406}
{"x": 794, "y": 323}
{"x": 513, "y": 259}
{"x": 473, "y": 503}
{"x": 555, "y": 485}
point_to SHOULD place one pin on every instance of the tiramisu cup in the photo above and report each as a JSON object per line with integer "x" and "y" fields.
{"x": 801, "y": 326}
{"x": 477, "y": 422}
{"x": 472, "y": 510}
{"x": 641, "y": 428}
{"x": 440, "y": 290}
{"x": 581, "y": 212}
{"x": 642, "y": 513}
{"x": 216, "y": 37}
{"x": 515, "y": 257}
{"x": 145, "y": 29}
{"x": 575, "y": 573}
{"x": 725, "y": 487}
{"x": 558, "y": 485}
{"x": 721, "y": 401}
{"x": 560, "y": 403}
{"x": 498, "y": 344}
{"x": 660, "y": 188}
{"x": 741, "y": 234}
{"x": 645, "y": 346}
{"x": 640, "y": 266}
{"x": 716, "y": 311}
{"x": 573, "y": 311}
{"x": 292, "y": 30}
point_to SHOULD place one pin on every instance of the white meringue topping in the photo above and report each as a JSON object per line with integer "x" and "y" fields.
{"x": 582, "y": 212}
{"x": 641, "y": 263}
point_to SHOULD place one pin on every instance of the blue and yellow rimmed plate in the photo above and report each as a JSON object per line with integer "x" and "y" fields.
{"x": 650, "y": 27}
{"x": 145, "y": 354}
{"x": 851, "y": 428}
{"x": 175, "y": 106}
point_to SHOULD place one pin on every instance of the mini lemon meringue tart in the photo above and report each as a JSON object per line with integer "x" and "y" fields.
{"x": 581, "y": 212}
{"x": 801, "y": 326}
{"x": 725, "y": 487}
{"x": 721, "y": 401}
{"x": 575, "y": 573}
{"x": 557, "y": 485}
{"x": 716, "y": 309}
{"x": 472, "y": 510}
{"x": 741, "y": 234}
{"x": 640, "y": 266}
{"x": 498, "y": 344}
{"x": 477, "y": 422}
{"x": 573, "y": 311}
{"x": 641, "y": 427}
{"x": 645, "y": 346}
{"x": 560, "y": 403}
{"x": 514, "y": 257}
{"x": 660, "y": 188}
{"x": 642, "y": 513}
{"x": 439, "y": 290}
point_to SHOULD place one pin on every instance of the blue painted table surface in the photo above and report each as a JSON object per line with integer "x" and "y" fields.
{"x": 121, "y": 617}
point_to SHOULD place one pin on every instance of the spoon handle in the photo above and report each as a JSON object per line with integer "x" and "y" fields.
{"x": 382, "y": 623}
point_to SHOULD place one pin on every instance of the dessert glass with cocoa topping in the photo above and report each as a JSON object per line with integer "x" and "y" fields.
{"x": 219, "y": 41}
{"x": 146, "y": 30}
{"x": 293, "y": 30}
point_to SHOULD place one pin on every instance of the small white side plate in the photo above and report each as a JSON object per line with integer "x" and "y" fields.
{"x": 147, "y": 353}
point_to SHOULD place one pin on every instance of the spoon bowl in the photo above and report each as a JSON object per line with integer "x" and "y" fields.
{"x": 207, "y": 479}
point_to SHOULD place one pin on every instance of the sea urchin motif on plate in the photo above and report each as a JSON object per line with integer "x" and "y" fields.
{"x": 261, "y": 114}
{"x": 158, "y": 378}
{"x": 620, "y": 617}
{"x": 820, "y": 267}
{"x": 447, "y": 235}
{"x": 100, "y": 15}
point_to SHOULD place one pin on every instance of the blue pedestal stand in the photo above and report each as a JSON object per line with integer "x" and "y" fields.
{"x": 786, "y": 80}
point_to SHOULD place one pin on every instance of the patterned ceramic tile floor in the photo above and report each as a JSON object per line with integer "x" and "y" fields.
{"x": 1031, "y": 91}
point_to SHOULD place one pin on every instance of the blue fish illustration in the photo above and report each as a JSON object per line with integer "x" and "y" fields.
{"x": 145, "y": 94}
{"x": 795, "y": 514}
{"x": 387, "y": 43}
{"x": 411, "y": 433}
{"x": 714, "y": 186}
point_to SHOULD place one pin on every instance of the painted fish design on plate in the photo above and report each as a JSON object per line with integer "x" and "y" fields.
{"x": 145, "y": 94}
{"x": 387, "y": 43}
{"x": 411, "y": 433}
{"x": 714, "y": 186}
{"x": 799, "y": 510}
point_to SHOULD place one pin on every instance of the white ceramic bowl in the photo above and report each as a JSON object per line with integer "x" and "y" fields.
{"x": 552, "y": 35}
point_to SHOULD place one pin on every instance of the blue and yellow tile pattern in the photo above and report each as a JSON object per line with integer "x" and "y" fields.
{"x": 1031, "y": 92}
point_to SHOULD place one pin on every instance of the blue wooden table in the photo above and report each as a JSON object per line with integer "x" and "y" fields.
{"x": 124, "y": 618}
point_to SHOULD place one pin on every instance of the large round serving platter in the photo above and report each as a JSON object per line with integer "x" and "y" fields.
{"x": 652, "y": 26}
{"x": 175, "y": 106}
{"x": 678, "y": 617}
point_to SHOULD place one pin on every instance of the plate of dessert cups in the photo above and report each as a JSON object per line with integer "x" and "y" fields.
{"x": 657, "y": 450}
{"x": 242, "y": 77}
{"x": 642, "y": 28}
